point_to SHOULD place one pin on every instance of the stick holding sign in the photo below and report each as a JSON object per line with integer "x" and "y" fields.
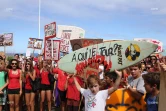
{"x": 162, "y": 95}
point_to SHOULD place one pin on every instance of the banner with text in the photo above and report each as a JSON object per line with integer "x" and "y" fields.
{"x": 67, "y": 33}
{"x": 52, "y": 49}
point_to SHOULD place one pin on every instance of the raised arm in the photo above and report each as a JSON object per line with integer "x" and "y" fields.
{"x": 77, "y": 84}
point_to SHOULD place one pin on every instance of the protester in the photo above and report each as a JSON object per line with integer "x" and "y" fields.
{"x": 45, "y": 86}
{"x": 152, "y": 87}
{"x": 72, "y": 95}
{"x": 15, "y": 85}
{"x": 17, "y": 57}
{"x": 30, "y": 75}
{"x": 61, "y": 76}
{"x": 95, "y": 100}
{"x": 110, "y": 78}
{"x": 3, "y": 84}
{"x": 135, "y": 82}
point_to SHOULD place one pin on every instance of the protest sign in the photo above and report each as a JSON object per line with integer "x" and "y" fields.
{"x": 56, "y": 49}
{"x": 6, "y": 39}
{"x": 50, "y": 30}
{"x": 35, "y": 43}
{"x": 52, "y": 49}
{"x": 67, "y": 33}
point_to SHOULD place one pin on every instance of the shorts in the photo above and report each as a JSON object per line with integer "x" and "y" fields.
{"x": 62, "y": 95}
{"x": 14, "y": 91}
{"x": 45, "y": 87}
{"x": 3, "y": 98}
{"x": 71, "y": 102}
{"x": 29, "y": 91}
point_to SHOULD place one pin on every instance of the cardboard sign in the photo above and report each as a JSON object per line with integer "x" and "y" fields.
{"x": 80, "y": 43}
{"x": 6, "y": 39}
{"x": 113, "y": 55}
{"x": 35, "y": 43}
{"x": 50, "y": 30}
{"x": 56, "y": 49}
{"x": 48, "y": 50}
{"x": 52, "y": 49}
{"x": 67, "y": 33}
{"x": 65, "y": 41}
{"x": 154, "y": 41}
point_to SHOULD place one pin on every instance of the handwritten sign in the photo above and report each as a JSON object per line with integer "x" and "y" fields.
{"x": 50, "y": 30}
{"x": 48, "y": 50}
{"x": 56, "y": 49}
{"x": 52, "y": 49}
{"x": 154, "y": 41}
{"x": 65, "y": 41}
{"x": 76, "y": 32}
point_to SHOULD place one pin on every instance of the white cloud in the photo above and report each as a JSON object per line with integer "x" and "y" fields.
{"x": 79, "y": 8}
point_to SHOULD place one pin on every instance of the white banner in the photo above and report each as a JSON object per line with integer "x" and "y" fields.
{"x": 154, "y": 41}
{"x": 67, "y": 33}
{"x": 50, "y": 30}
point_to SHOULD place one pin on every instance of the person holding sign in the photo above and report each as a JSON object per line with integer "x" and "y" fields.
{"x": 95, "y": 100}
{"x": 135, "y": 82}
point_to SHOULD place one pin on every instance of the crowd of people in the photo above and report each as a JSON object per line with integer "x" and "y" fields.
{"x": 30, "y": 84}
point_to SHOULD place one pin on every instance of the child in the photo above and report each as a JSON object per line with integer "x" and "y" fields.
{"x": 95, "y": 100}
{"x": 152, "y": 86}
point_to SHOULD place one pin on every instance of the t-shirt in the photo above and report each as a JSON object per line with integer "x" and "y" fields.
{"x": 61, "y": 78}
{"x": 138, "y": 83}
{"x": 2, "y": 78}
{"x": 94, "y": 102}
{"x": 151, "y": 102}
{"x": 72, "y": 91}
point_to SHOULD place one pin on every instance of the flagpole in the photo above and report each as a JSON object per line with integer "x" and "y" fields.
{"x": 39, "y": 23}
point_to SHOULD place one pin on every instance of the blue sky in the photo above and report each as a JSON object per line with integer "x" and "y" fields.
{"x": 107, "y": 19}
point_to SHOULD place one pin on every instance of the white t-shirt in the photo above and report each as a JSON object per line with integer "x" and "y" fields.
{"x": 94, "y": 102}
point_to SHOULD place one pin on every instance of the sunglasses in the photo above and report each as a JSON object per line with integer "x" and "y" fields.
{"x": 28, "y": 64}
{"x": 14, "y": 63}
{"x": 148, "y": 67}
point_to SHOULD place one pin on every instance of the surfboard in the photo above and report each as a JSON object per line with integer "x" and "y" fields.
{"x": 113, "y": 55}
{"x": 121, "y": 100}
